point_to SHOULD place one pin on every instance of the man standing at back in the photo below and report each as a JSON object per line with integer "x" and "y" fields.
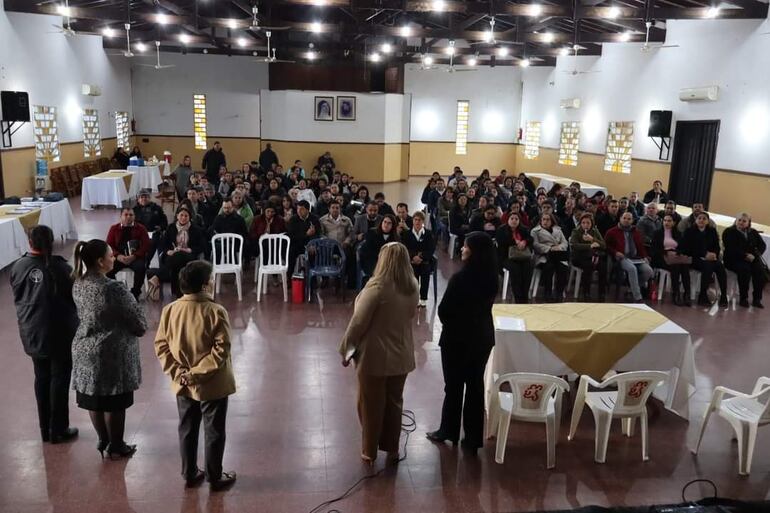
{"x": 267, "y": 158}
{"x": 214, "y": 158}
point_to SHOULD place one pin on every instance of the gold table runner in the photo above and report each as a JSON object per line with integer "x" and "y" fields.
{"x": 588, "y": 337}
{"x": 117, "y": 174}
{"x": 28, "y": 219}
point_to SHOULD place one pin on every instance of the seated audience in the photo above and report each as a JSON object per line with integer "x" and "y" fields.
{"x": 121, "y": 158}
{"x": 242, "y": 209}
{"x": 403, "y": 218}
{"x": 301, "y": 228}
{"x": 623, "y": 206}
{"x": 551, "y": 256}
{"x": 546, "y": 207}
{"x": 182, "y": 175}
{"x": 656, "y": 194}
{"x": 193, "y": 203}
{"x": 375, "y": 239}
{"x": 649, "y": 223}
{"x": 666, "y": 254}
{"x": 384, "y": 208}
{"x": 366, "y": 222}
{"x": 336, "y": 226}
{"x": 273, "y": 189}
{"x": 460, "y": 219}
{"x": 625, "y": 245}
{"x": 444, "y": 207}
{"x": 324, "y": 202}
{"x": 306, "y": 194}
{"x": 528, "y": 183}
{"x": 589, "y": 254}
{"x": 609, "y": 218}
{"x": 701, "y": 242}
{"x": 210, "y": 205}
{"x": 743, "y": 256}
{"x": 287, "y": 210}
{"x": 130, "y": 244}
{"x": 636, "y": 205}
{"x": 183, "y": 242}
{"x": 689, "y": 221}
{"x": 151, "y": 216}
{"x": 243, "y": 190}
{"x": 226, "y": 186}
{"x": 267, "y": 223}
{"x": 421, "y": 245}
{"x": 670, "y": 210}
{"x": 486, "y": 222}
{"x": 514, "y": 250}
{"x": 229, "y": 221}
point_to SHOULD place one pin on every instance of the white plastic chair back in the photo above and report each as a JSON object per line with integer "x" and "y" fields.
{"x": 227, "y": 250}
{"x": 634, "y": 388}
{"x": 531, "y": 392}
{"x": 274, "y": 253}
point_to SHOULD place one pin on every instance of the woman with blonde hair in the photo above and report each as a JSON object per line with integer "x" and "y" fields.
{"x": 379, "y": 340}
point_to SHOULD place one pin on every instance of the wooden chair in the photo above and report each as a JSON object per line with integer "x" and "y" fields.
{"x": 104, "y": 164}
{"x": 70, "y": 185}
{"x": 167, "y": 191}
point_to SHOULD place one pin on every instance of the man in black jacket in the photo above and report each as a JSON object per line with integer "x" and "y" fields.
{"x": 486, "y": 221}
{"x": 301, "y": 228}
{"x": 421, "y": 245}
{"x": 267, "y": 158}
{"x": 151, "y": 216}
{"x": 42, "y": 292}
{"x": 609, "y": 219}
{"x": 230, "y": 221}
{"x": 212, "y": 160}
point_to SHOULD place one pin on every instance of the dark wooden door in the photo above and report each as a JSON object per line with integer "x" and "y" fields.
{"x": 692, "y": 166}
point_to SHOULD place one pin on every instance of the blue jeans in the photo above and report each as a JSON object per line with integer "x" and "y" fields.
{"x": 637, "y": 273}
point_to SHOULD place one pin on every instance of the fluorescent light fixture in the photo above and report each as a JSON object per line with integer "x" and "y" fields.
{"x": 438, "y": 5}
{"x": 319, "y": 3}
{"x": 625, "y": 37}
{"x": 184, "y": 38}
{"x": 375, "y": 57}
{"x": 406, "y": 31}
{"x": 310, "y": 55}
{"x": 613, "y": 13}
{"x": 64, "y": 10}
{"x": 108, "y": 32}
{"x": 472, "y": 61}
{"x": 564, "y": 52}
{"x": 713, "y": 12}
{"x": 241, "y": 41}
{"x": 315, "y": 27}
{"x": 548, "y": 37}
{"x": 386, "y": 48}
{"x": 502, "y": 51}
{"x": 535, "y": 10}
{"x": 161, "y": 18}
{"x": 524, "y": 63}
{"x": 427, "y": 60}
{"x": 231, "y": 23}
{"x": 140, "y": 47}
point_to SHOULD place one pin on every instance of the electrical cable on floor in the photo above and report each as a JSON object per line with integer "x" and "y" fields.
{"x": 408, "y": 426}
{"x": 685, "y": 487}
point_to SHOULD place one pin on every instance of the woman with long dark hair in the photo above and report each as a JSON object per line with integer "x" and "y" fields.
{"x": 105, "y": 352}
{"x": 375, "y": 239}
{"x": 466, "y": 340}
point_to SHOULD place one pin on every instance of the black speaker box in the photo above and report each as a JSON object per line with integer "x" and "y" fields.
{"x": 15, "y": 106}
{"x": 377, "y": 80}
{"x": 660, "y": 123}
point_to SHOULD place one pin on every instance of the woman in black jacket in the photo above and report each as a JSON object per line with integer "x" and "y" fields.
{"x": 668, "y": 240}
{"x": 743, "y": 256}
{"x": 48, "y": 319}
{"x": 514, "y": 253}
{"x": 183, "y": 242}
{"x": 701, "y": 242}
{"x": 466, "y": 340}
{"x": 460, "y": 218}
{"x": 375, "y": 239}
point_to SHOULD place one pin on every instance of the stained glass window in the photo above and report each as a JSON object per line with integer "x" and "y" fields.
{"x": 46, "y": 133}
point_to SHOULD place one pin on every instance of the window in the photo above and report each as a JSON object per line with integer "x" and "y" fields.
{"x": 46, "y": 133}
{"x": 570, "y": 141}
{"x": 121, "y": 129}
{"x": 199, "y": 121}
{"x": 92, "y": 141}
{"x": 620, "y": 141}
{"x": 461, "y": 134}
{"x": 532, "y": 140}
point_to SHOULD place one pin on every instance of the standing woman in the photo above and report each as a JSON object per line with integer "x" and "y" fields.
{"x": 379, "y": 341}
{"x": 466, "y": 340}
{"x": 105, "y": 352}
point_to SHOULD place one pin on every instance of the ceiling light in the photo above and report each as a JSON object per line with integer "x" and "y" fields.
{"x": 488, "y": 36}
{"x": 108, "y": 32}
{"x": 310, "y": 55}
{"x": 535, "y": 10}
{"x": 524, "y": 63}
{"x": 713, "y": 12}
{"x": 502, "y": 51}
{"x": 472, "y": 61}
{"x": 427, "y": 60}
{"x": 375, "y": 57}
{"x": 625, "y": 37}
{"x": 548, "y": 37}
{"x": 161, "y": 18}
{"x": 406, "y": 31}
{"x": 319, "y": 3}
{"x": 564, "y": 52}
{"x": 613, "y": 12}
{"x": 184, "y": 38}
{"x": 386, "y": 48}
{"x": 241, "y": 41}
{"x": 205, "y": 51}
{"x": 315, "y": 27}
{"x": 64, "y": 10}
{"x": 438, "y": 5}
{"x": 450, "y": 50}
{"x": 231, "y": 23}
{"x": 141, "y": 47}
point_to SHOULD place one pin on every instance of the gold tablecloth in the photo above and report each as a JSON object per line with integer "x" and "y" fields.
{"x": 588, "y": 337}
{"x": 117, "y": 174}
{"x": 28, "y": 219}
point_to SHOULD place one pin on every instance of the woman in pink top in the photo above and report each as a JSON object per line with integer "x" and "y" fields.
{"x": 666, "y": 241}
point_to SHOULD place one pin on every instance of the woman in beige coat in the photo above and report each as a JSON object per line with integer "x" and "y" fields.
{"x": 379, "y": 341}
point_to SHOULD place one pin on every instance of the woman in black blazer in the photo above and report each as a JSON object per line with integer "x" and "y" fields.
{"x": 466, "y": 340}
{"x": 460, "y": 218}
{"x": 513, "y": 243}
{"x": 743, "y": 256}
{"x": 701, "y": 242}
{"x": 375, "y": 239}
{"x": 668, "y": 240}
{"x": 183, "y": 242}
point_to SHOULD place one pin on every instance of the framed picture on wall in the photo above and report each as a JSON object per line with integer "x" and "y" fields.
{"x": 324, "y": 108}
{"x": 346, "y": 108}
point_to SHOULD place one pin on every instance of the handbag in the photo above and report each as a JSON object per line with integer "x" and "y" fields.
{"x": 673, "y": 258}
{"x": 514, "y": 253}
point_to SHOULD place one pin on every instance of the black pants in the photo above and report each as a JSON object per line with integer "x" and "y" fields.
{"x": 138, "y": 266}
{"x": 749, "y": 272}
{"x": 550, "y": 267}
{"x": 422, "y": 272}
{"x": 585, "y": 262}
{"x": 154, "y": 245}
{"x": 171, "y": 266}
{"x": 214, "y": 416}
{"x": 707, "y": 268}
{"x": 464, "y": 371}
{"x": 520, "y": 276}
{"x": 679, "y": 273}
{"x": 52, "y": 385}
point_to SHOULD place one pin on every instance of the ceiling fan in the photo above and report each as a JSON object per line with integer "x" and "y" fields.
{"x": 66, "y": 26}
{"x": 489, "y": 37}
{"x": 451, "y": 68}
{"x": 646, "y": 47}
{"x": 575, "y": 72}
{"x": 127, "y": 52}
{"x": 157, "y": 65}
{"x": 256, "y": 27}
{"x": 271, "y": 58}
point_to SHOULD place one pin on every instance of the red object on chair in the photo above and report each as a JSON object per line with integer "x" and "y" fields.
{"x": 297, "y": 290}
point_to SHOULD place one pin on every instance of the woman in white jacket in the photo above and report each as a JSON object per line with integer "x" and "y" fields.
{"x": 551, "y": 256}
{"x": 306, "y": 194}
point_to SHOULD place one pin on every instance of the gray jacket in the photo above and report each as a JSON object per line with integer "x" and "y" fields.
{"x": 543, "y": 240}
{"x": 105, "y": 351}
{"x": 361, "y": 226}
{"x": 647, "y": 227}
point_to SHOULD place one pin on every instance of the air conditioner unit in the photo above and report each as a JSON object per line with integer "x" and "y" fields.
{"x": 570, "y": 103}
{"x": 694, "y": 94}
{"x": 91, "y": 90}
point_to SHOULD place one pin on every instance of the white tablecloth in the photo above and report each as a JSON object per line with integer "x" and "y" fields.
{"x": 547, "y": 181}
{"x": 666, "y": 348}
{"x": 57, "y": 216}
{"x": 13, "y": 241}
{"x": 104, "y": 191}
{"x": 145, "y": 177}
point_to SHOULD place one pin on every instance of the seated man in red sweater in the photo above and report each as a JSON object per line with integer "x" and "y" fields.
{"x": 624, "y": 243}
{"x": 130, "y": 243}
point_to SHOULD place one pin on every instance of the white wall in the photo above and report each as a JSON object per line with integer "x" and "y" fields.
{"x": 728, "y": 53}
{"x": 52, "y": 68}
{"x": 288, "y": 116}
{"x": 495, "y": 103}
{"x": 163, "y": 98}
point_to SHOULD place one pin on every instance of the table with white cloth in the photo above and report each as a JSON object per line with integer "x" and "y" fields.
{"x": 13, "y": 237}
{"x": 547, "y": 181}
{"x": 145, "y": 177}
{"x": 723, "y": 221}
{"x": 57, "y": 215}
{"x": 108, "y": 188}
{"x": 592, "y": 338}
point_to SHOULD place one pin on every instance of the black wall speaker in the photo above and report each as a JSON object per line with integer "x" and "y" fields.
{"x": 15, "y": 106}
{"x": 660, "y": 123}
{"x": 377, "y": 79}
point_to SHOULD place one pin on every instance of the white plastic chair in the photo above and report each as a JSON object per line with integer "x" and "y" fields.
{"x": 577, "y": 273}
{"x": 273, "y": 259}
{"x": 664, "y": 280}
{"x": 452, "y": 239}
{"x": 627, "y": 403}
{"x": 227, "y": 256}
{"x": 126, "y": 275}
{"x": 745, "y": 413}
{"x": 534, "y": 283}
{"x": 533, "y": 398}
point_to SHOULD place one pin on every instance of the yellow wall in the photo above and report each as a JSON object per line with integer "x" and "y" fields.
{"x": 737, "y": 192}
{"x": 19, "y": 164}
{"x": 427, "y": 157}
{"x": 237, "y": 150}
{"x": 396, "y": 162}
